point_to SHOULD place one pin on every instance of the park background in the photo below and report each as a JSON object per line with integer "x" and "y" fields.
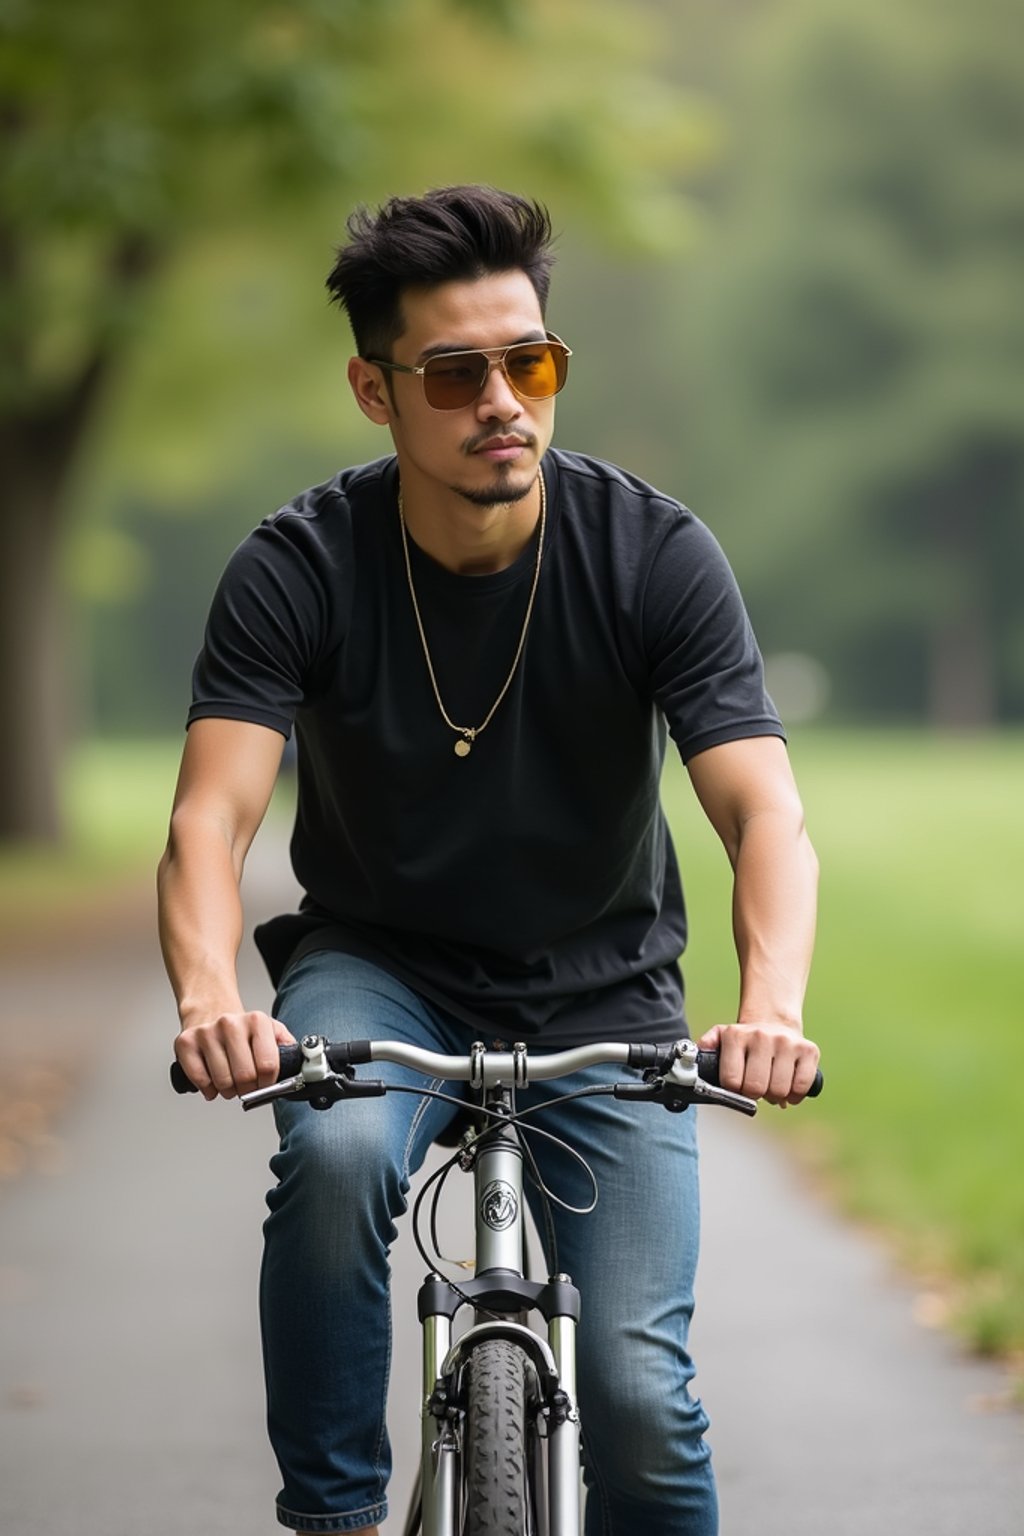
{"x": 790, "y": 246}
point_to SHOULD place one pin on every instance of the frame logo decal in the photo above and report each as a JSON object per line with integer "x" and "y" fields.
{"x": 499, "y": 1206}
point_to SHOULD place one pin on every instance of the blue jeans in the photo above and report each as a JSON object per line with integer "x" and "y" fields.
{"x": 343, "y": 1178}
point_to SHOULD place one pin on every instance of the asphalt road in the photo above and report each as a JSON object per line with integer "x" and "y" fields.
{"x": 130, "y": 1388}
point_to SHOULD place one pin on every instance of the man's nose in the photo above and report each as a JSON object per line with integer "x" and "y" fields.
{"x": 498, "y": 398}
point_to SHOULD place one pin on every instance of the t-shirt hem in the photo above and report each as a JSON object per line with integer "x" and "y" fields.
{"x": 746, "y": 730}
{"x": 285, "y": 940}
{"x": 248, "y": 714}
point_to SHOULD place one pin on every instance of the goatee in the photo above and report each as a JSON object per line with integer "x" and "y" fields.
{"x": 494, "y": 495}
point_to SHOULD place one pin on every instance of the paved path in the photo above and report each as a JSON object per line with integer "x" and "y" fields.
{"x": 130, "y": 1391}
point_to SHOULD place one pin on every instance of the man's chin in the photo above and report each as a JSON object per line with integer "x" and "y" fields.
{"x": 503, "y": 492}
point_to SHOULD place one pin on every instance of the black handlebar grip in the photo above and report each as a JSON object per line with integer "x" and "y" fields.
{"x": 291, "y": 1063}
{"x": 179, "y": 1082}
{"x": 341, "y": 1054}
{"x": 707, "y": 1068}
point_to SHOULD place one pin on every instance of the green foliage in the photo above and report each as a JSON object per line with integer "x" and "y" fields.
{"x": 228, "y": 392}
{"x": 914, "y": 999}
{"x": 859, "y": 344}
{"x": 127, "y": 129}
{"x": 133, "y": 140}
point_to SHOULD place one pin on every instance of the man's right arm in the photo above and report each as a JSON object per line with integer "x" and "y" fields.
{"x": 228, "y": 772}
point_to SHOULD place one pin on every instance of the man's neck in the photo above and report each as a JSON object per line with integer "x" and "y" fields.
{"x": 465, "y": 538}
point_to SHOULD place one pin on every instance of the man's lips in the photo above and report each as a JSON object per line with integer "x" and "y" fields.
{"x": 501, "y": 447}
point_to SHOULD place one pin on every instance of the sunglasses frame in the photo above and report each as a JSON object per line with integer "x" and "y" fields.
{"x": 495, "y": 357}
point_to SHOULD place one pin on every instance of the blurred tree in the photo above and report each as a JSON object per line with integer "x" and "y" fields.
{"x": 129, "y": 132}
{"x": 857, "y": 348}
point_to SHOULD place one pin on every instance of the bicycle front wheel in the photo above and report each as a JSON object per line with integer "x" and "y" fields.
{"x": 498, "y": 1498}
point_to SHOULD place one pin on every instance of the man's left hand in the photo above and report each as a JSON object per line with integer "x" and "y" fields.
{"x": 763, "y": 1061}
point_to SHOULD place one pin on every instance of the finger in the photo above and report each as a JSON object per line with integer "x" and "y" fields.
{"x": 758, "y": 1047}
{"x": 251, "y": 1050}
{"x": 744, "y": 1062}
{"x": 267, "y": 1036}
{"x": 218, "y": 1065}
{"x": 710, "y": 1038}
{"x": 757, "y": 1071}
{"x": 783, "y": 1066}
{"x": 804, "y": 1072}
{"x": 190, "y": 1059}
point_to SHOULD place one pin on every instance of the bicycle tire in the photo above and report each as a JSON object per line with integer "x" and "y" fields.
{"x": 497, "y": 1463}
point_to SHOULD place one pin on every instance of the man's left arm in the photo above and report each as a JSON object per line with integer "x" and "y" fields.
{"x": 749, "y": 795}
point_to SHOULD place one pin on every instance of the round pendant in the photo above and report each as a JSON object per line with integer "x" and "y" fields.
{"x": 462, "y": 747}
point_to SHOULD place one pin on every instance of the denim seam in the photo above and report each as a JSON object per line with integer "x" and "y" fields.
{"x": 422, "y": 1108}
{"x": 333, "y": 1525}
{"x": 382, "y": 1411}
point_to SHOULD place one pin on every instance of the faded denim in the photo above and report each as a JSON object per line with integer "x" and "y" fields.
{"x": 342, "y": 1181}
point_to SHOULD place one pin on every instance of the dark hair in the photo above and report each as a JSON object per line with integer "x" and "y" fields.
{"x": 452, "y": 234}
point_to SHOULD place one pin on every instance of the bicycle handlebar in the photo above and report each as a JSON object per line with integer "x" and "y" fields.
{"x": 483, "y": 1069}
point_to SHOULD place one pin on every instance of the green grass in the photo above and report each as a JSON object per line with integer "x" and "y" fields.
{"x": 116, "y": 798}
{"x": 915, "y": 999}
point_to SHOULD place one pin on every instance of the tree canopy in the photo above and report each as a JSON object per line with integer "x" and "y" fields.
{"x": 859, "y": 344}
{"x": 130, "y": 133}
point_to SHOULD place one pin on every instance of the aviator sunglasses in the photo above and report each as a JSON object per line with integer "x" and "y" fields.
{"x": 535, "y": 370}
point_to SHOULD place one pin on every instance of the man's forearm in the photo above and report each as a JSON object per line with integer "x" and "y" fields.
{"x": 224, "y": 787}
{"x": 201, "y": 922}
{"x": 774, "y": 911}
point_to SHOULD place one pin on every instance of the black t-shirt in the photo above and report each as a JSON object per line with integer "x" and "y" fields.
{"x": 531, "y": 888}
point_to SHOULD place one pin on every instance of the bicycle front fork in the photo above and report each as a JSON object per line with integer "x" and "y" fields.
{"x": 553, "y": 1411}
{"x": 501, "y": 1296}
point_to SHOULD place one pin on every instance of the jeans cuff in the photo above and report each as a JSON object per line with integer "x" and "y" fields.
{"x": 358, "y": 1520}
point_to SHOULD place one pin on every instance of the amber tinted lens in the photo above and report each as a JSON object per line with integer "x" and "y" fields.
{"x": 454, "y": 379}
{"x": 536, "y": 370}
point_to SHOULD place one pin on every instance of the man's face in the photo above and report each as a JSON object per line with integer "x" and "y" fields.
{"x": 489, "y": 451}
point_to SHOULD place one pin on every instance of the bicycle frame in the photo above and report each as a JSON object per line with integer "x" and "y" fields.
{"x": 500, "y": 1289}
{"x": 547, "y": 1422}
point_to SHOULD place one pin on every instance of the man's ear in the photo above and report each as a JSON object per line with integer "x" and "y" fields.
{"x": 371, "y": 391}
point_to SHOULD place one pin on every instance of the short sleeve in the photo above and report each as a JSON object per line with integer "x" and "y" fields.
{"x": 705, "y": 666}
{"x": 267, "y": 628}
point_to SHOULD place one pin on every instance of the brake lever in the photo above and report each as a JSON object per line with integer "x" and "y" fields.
{"x": 681, "y": 1085}
{"x": 684, "y": 1085}
{"x": 314, "y": 1084}
{"x": 320, "y": 1093}
{"x": 724, "y": 1096}
{"x": 282, "y": 1090}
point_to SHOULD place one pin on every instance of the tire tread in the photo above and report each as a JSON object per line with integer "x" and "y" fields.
{"x": 497, "y": 1499}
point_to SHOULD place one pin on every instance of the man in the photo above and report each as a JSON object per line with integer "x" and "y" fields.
{"x": 481, "y": 642}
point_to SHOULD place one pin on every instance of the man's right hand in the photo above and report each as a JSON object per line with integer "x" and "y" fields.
{"x": 233, "y": 1054}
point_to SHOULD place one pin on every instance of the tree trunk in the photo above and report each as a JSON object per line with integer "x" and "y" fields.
{"x": 38, "y": 451}
{"x": 962, "y": 694}
{"x": 31, "y": 657}
{"x": 961, "y": 682}
{"x": 41, "y": 437}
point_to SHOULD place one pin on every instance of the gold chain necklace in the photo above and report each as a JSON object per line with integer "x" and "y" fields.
{"x": 467, "y": 734}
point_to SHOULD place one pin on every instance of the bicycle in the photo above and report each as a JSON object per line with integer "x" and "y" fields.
{"x": 500, "y": 1428}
